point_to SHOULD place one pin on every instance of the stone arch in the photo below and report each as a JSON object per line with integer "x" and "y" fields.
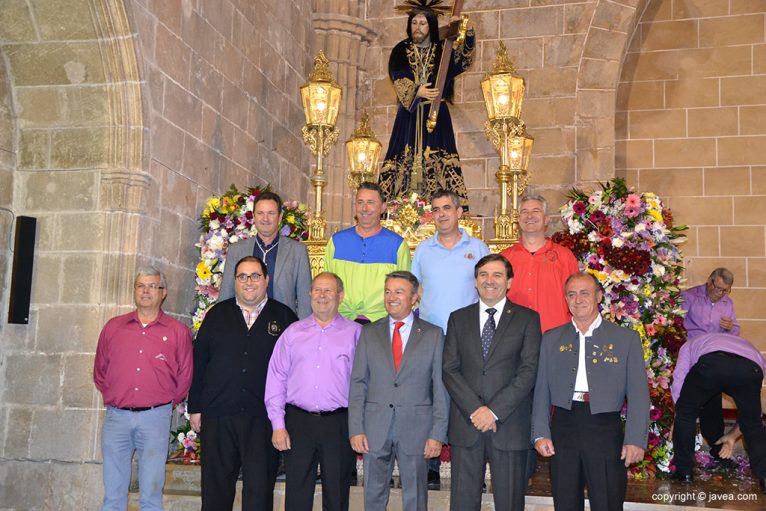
{"x": 71, "y": 154}
{"x": 606, "y": 44}
{"x": 75, "y": 92}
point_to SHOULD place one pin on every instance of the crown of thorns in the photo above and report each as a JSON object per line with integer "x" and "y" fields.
{"x": 436, "y": 6}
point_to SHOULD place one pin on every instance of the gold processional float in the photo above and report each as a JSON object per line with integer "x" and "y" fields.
{"x": 503, "y": 91}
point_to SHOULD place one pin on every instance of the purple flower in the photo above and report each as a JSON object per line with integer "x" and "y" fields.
{"x": 285, "y": 231}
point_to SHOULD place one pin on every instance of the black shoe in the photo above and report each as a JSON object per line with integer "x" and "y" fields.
{"x": 434, "y": 480}
{"x": 762, "y": 484}
{"x": 683, "y": 478}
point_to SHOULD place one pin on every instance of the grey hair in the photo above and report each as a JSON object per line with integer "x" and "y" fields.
{"x": 406, "y": 275}
{"x": 540, "y": 198}
{"x": 338, "y": 280}
{"x": 724, "y": 274}
{"x": 439, "y": 194}
{"x": 150, "y": 271}
{"x": 585, "y": 275}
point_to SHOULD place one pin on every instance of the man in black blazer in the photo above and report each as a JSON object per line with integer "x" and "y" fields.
{"x": 226, "y": 403}
{"x": 489, "y": 369}
{"x": 588, "y": 368}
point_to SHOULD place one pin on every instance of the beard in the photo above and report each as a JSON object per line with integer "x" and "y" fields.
{"x": 419, "y": 37}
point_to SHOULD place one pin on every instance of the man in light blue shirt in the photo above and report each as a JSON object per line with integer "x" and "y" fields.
{"x": 444, "y": 266}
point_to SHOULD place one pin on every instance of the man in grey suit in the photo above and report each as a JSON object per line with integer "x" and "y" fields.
{"x": 490, "y": 363}
{"x": 588, "y": 368}
{"x": 398, "y": 405}
{"x": 287, "y": 261}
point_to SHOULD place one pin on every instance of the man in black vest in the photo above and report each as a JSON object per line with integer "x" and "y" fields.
{"x": 231, "y": 359}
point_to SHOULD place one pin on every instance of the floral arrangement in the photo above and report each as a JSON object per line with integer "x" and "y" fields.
{"x": 225, "y": 220}
{"x": 185, "y": 440}
{"x": 628, "y": 241}
{"x": 409, "y": 212}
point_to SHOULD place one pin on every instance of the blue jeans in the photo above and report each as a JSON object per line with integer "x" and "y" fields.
{"x": 123, "y": 433}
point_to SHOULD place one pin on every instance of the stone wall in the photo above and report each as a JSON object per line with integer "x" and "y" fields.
{"x": 690, "y": 126}
{"x": 117, "y": 121}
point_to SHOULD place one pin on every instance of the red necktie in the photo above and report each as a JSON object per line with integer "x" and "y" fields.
{"x": 396, "y": 344}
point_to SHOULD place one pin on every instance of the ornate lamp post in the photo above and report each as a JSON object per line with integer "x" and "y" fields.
{"x": 321, "y": 101}
{"x": 363, "y": 154}
{"x": 503, "y": 92}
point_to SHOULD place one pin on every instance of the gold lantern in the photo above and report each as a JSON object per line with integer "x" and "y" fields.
{"x": 503, "y": 92}
{"x": 363, "y": 154}
{"x": 321, "y": 102}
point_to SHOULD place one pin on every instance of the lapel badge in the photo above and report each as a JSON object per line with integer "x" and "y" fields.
{"x": 273, "y": 328}
{"x": 418, "y": 330}
{"x": 469, "y": 256}
{"x": 164, "y": 338}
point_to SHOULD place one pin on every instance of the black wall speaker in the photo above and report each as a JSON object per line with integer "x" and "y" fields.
{"x": 21, "y": 276}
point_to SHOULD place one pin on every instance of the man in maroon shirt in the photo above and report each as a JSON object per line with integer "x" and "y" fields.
{"x": 143, "y": 368}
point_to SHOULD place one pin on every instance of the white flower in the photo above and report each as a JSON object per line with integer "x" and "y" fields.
{"x": 215, "y": 242}
{"x": 594, "y": 236}
{"x": 181, "y": 437}
{"x": 234, "y": 239}
{"x": 658, "y": 270}
{"x": 617, "y": 242}
{"x": 640, "y": 227}
{"x": 215, "y": 224}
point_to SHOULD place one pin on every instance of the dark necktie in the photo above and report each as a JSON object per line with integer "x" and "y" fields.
{"x": 396, "y": 345}
{"x": 488, "y": 332}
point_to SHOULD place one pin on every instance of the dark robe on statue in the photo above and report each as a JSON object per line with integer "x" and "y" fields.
{"x": 409, "y": 67}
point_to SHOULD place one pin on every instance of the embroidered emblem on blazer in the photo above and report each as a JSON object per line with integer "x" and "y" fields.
{"x": 274, "y": 328}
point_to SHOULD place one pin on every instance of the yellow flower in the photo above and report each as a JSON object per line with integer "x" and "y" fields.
{"x": 656, "y": 215}
{"x": 290, "y": 218}
{"x": 214, "y": 203}
{"x": 203, "y": 272}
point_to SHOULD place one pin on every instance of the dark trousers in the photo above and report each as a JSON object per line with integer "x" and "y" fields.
{"x": 507, "y": 471}
{"x": 228, "y": 444}
{"x": 712, "y": 425}
{"x": 712, "y": 374}
{"x": 317, "y": 440}
{"x": 588, "y": 448}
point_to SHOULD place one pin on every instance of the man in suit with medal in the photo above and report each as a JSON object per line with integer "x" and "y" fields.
{"x": 588, "y": 369}
{"x": 398, "y": 406}
{"x": 490, "y": 363}
{"x": 285, "y": 258}
{"x": 226, "y": 400}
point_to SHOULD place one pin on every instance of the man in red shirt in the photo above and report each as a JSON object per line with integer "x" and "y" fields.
{"x": 540, "y": 266}
{"x": 143, "y": 368}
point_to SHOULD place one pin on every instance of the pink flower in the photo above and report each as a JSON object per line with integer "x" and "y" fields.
{"x": 653, "y": 439}
{"x": 655, "y": 413}
{"x": 633, "y": 201}
{"x": 579, "y": 207}
{"x": 650, "y": 330}
{"x": 631, "y": 212}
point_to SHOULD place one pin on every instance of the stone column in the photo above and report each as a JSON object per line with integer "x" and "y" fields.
{"x": 341, "y": 32}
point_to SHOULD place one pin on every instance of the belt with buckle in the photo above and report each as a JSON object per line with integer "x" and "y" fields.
{"x": 141, "y": 408}
{"x": 318, "y": 413}
{"x": 583, "y": 397}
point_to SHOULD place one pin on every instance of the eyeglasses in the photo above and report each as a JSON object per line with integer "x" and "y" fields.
{"x": 152, "y": 287}
{"x": 722, "y": 290}
{"x": 244, "y": 277}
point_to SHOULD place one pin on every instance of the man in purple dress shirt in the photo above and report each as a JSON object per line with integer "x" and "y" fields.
{"x": 715, "y": 360}
{"x": 307, "y": 399}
